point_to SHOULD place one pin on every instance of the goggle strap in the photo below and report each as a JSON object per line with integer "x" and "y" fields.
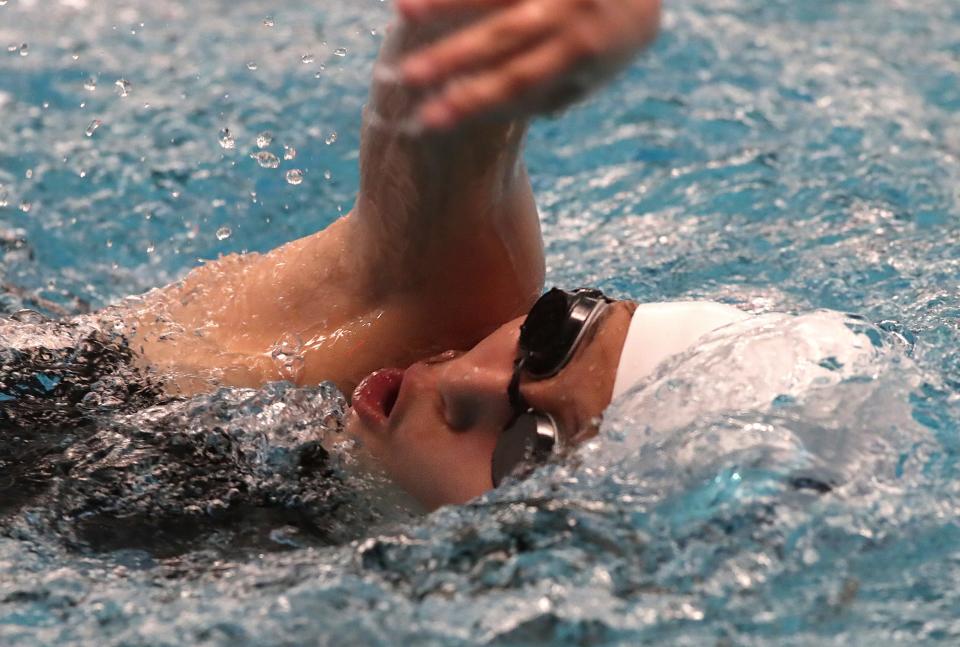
{"x": 517, "y": 402}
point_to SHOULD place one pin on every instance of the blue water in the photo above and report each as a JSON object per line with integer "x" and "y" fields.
{"x": 780, "y": 155}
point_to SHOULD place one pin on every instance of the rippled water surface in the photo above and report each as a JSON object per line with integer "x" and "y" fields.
{"x": 783, "y": 156}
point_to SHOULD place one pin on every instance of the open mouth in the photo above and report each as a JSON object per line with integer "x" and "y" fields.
{"x": 376, "y": 395}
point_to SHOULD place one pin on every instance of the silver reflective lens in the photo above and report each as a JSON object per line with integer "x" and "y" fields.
{"x": 526, "y": 443}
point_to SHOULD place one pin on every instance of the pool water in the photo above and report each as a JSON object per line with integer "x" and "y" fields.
{"x": 782, "y": 156}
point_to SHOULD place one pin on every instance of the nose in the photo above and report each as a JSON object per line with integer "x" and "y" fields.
{"x": 473, "y": 388}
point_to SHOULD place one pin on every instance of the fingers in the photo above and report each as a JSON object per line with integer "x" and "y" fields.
{"x": 418, "y": 10}
{"x": 479, "y": 45}
{"x": 512, "y": 83}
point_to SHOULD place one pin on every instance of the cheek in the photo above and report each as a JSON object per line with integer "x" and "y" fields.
{"x": 444, "y": 467}
{"x": 423, "y": 456}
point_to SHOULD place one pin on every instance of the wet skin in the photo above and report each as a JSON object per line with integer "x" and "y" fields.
{"x": 433, "y": 427}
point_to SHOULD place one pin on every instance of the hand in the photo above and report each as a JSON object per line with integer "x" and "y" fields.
{"x": 522, "y": 56}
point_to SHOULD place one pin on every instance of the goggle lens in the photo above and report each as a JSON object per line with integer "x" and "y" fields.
{"x": 527, "y": 442}
{"x": 545, "y": 336}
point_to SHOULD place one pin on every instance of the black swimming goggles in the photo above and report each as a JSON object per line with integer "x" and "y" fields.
{"x": 549, "y": 337}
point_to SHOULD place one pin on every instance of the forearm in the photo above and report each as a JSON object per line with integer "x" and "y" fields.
{"x": 419, "y": 191}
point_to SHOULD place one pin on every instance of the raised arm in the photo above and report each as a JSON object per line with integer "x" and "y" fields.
{"x": 442, "y": 246}
{"x": 522, "y": 56}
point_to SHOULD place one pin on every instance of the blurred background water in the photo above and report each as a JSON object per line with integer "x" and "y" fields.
{"x": 778, "y": 155}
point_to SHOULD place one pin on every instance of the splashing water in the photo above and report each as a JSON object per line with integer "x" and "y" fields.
{"x": 124, "y": 87}
{"x": 226, "y": 139}
{"x": 782, "y": 156}
{"x": 264, "y": 139}
{"x": 92, "y": 128}
{"x": 266, "y": 159}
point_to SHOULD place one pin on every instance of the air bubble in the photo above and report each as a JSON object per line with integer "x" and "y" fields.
{"x": 289, "y": 152}
{"x": 264, "y": 139}
{"x": 92, "y": 128}
{"x": 224, "y": 233}
{"x": 90, "y": 84}
{"x": 269, "y": 21}
{"x": 124, "y": 87}
{"x": 295, "y": 177}
{"x": 24, "y": 50}
{"x": 266, "y": 159}
{"x": 340, "y": 51}
{"x": 307, "y": 59}
{"x": 331, "y": 138}
{"x": 252, "y": 65}
{"x": 227, "y": 142}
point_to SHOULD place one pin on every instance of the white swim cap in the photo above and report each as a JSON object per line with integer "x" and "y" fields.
{"x": 661, "y": 330}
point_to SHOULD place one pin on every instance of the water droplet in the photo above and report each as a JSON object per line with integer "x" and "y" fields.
{"x": 295, "y": 176}
{"x": 227, "y": 142}
{"x": 251, "y": 65}
{"x": 340, "y": 51}
{"x": 224, "y": 233}
{"x": 24, "y": 50}
{"x": 12, "y": 48}
{"x": 92, "y": 128}
{"x": 124, "y": 87}
{"x": 307, "y": 59}
{"x": 25, "y": 207}
{"x": 287, "y": 353}
{"x": 90, "y": 84}
{"x": 289, "y": 152}
{"x": 269, "y": 21}
{"x": 29, "y": 174}
{"x": 266, "y": 159}
{"x": 327, "y": 175}
{"x": 331, "y": 138}
{"x": 151, "y": 248}
{"x": 264, "y": 139}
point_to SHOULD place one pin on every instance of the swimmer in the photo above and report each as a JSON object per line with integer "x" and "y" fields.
{"x": 442, "y": 250}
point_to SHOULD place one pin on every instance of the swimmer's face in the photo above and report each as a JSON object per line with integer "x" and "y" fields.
{"x": 434, "y": 427}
